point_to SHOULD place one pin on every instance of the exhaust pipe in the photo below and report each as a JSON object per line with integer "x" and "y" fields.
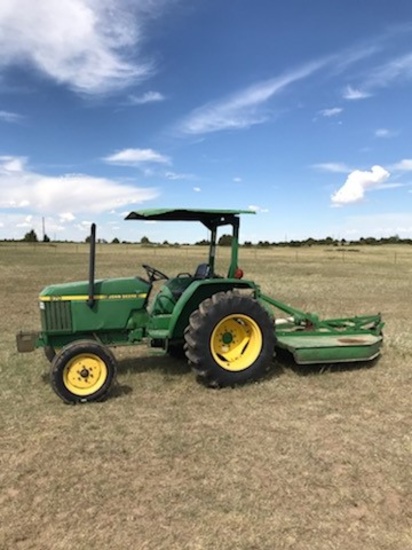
{"x": 92, "y": 258}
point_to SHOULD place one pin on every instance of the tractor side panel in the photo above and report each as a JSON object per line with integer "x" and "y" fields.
{"x": 106, "y": 314}
{"x": 117, "y": 303}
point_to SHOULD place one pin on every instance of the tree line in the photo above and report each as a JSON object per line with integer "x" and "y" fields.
{"x": 226, "y": 240}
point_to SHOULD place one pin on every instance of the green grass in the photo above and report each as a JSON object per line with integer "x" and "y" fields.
{"x": 309, "y": 458}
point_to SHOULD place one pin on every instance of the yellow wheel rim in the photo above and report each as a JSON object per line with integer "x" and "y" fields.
{"x": 236, "y": 342}
{"x": 85, "y": 374}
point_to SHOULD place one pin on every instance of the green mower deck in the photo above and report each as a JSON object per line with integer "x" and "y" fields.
{"x": 326, "y": 348}
{"x": 312, "y": 340}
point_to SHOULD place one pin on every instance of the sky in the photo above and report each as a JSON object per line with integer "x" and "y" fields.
{"x": 298, "y": 110}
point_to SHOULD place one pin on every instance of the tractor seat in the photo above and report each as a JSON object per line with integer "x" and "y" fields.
{"x": 202, "y": 271}
{"x": 174, "y": 288}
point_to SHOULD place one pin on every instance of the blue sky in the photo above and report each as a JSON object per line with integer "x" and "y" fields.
{"x": 298, "y": 110}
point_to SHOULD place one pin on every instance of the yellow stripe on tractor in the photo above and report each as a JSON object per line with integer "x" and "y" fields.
{"x": 83, "y": 297}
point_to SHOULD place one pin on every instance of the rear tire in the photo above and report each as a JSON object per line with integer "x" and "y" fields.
{"x": 229, "y": 340}
{"x": 82, "y": 372}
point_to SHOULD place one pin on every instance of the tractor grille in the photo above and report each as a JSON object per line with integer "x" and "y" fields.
{"x": 57, "y": 316}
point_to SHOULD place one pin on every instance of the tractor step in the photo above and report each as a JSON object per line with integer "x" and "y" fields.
{"x": 326, "y": 348}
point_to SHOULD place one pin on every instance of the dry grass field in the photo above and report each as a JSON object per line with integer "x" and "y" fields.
{"x": 307, "y": 459}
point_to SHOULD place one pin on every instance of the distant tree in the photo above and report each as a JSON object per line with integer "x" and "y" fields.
{"x": 225, "y": 240}
{"x": 87, "y": 239}
{"x": 115, "y": 241}
{"x": 31, "y": 237}
{"x": 310, "y": 241}
{"x": 203, "y": 242}
{"x": 367, "y": 240}
{"x": 247, "y": 244}
{"x": 46, "y": 239}
{"x": 144, "y": 240}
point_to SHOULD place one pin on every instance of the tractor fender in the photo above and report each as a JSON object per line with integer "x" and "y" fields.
{"x": 195, "y": 294}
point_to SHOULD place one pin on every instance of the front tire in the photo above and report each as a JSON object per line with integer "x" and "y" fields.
{"x": 229, "y": 340}
{"x": 82, "y": 372}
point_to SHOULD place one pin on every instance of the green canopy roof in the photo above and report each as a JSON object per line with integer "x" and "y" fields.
{"x": 207, "y": 217}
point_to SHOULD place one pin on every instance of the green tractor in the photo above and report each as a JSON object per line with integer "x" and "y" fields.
{"x": 225, "y": 326}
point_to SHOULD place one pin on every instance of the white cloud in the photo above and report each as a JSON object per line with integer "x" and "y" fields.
{"x": 381, "y": 225}
{"x": 135, "y": 157}
{"x": 197, "y": 189}
{"x": 335, "y": 167}
{"x": 175, "y": 176}
{"x": 12, "y": 118}
{"x": 403, "y": 165}
{"x": 355, "y": 93}
{"x": 384, "y": 133}
{"x": 237, "y": 179}
{"x": 399, "y": 68}
{"x": 14, "y": 225}
{"x": 63, "y": 196}
{"x": 148, "y": 97}
{"x": 66, "y": 217}
{"x": 243, "y": 108}
{"x": 357, "y": 183}
{"x": 26, "y": 222}
{"x": 256, "y": 208}
{"x": 84, "y": 226}
{"x": 85, "y": 44}
{"x": 12, "y": 164}
{"x": 334, "y": 111}
{"x": 351, "y": 56}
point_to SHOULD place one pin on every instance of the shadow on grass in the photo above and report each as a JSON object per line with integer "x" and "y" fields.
{"x": 286, "y": 359}
{"x": 173, "y": 367}
{"x": 276, "y": 369}
{"x": 155, "y": 362}
{"x": 119, "y": 390}
{"x": 163, "y": 363}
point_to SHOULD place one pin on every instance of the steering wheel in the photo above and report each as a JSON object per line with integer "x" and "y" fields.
{"x": 153, "y": 273}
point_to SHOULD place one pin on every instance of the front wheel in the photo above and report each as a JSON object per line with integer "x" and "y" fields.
{"x": 83, "y": 371}
{"x": 230, "y": 339}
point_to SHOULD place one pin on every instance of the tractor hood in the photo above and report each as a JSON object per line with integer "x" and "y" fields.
{"x": 66, "y": 310}
{"x": 120, "y": 288}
